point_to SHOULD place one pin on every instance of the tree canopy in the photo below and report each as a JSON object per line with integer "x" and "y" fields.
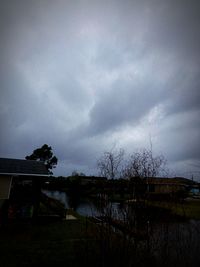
{"x": 44, "y": 154}
{"x": 109, "y": 164}
{"x": 144, "y": 164}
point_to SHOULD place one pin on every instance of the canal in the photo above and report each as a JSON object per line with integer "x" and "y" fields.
{"x": 169, "y": 238}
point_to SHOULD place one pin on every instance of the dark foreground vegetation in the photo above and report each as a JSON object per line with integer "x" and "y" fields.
{"x": 156, "y": 221}
{"x": 143, "y": 236}
{"x": 148, "y": 228}
{"x": 55, "y": 243}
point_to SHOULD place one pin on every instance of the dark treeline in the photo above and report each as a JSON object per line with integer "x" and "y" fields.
{"x": 117, "y": 189}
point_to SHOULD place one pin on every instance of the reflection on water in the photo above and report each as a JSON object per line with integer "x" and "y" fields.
{"x": 61, "y": 196}
{"x": 85, "y": 206}
{"x": 81, "y": 206}
{"x": 168, "y": 239}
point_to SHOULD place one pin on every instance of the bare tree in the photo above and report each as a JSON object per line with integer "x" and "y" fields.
{"x": 109, "y": 165}
{"x": 143, "y": 165}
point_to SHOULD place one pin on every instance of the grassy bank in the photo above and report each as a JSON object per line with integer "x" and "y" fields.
{"x": 188, "y": 208}
{"x": 67, "y": 243}
{"x": 58, "y": 243}
{"x": 83, "y": 243}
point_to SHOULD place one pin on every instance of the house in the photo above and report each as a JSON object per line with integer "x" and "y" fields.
{"x": 86, "y": 180}
{"x": 91, "y": 180}
{"x": 20, "y": 185}
{"x": 169, "y": 185}
{"x": 164, "y": 185}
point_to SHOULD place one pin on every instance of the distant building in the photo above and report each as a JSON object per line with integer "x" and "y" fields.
{"x": 20, "y": 186}
{"x": 85, "y": 180}
{"x": 164, "y": 185}
{"x": 169, "y": 185}
{"x": 92, "y": 179}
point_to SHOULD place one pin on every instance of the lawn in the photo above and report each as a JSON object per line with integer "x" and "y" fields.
{"x": 188, "y": 208}
{"x": 76, "y": 242}
{"x": 65, "y": 243}
{"x": 61, "y": 243}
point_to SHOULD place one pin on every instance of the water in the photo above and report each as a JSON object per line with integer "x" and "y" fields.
{"x": 61, "y": 196}
{"x": 82, "y": 206}
{"x": 85, "y": 206}
{"x": 168, "y": 240}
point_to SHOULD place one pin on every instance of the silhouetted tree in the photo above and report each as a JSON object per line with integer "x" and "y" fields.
{"x": 76, "y": 173}
{"x": 44, "y": 154}
{"x": 141, "y": 166}
{"x": 144, "y": 164}
{"x": 109, "y": 164}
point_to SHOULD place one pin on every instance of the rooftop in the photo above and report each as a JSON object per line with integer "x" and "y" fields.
{"x": 22, "y": 166}
{"x": 175, "y": 180}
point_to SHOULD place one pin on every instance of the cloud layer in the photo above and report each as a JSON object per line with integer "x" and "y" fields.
{"x": 82, "y": 76}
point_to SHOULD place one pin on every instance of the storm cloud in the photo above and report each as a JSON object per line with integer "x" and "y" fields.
{"x": 84, "y": 76}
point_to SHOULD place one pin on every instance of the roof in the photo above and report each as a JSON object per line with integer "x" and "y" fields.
{"x": 22, "y": 167}
{"x": 175, "y": 180}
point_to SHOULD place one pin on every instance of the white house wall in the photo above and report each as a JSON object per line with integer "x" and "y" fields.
{"x": 5, "y": 185}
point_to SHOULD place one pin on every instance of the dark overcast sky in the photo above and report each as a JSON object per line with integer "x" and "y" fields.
{"x": 84, "y": 76}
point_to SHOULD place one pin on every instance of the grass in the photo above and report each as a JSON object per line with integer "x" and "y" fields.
{"x": 72, "y": 243}
{"x": 188, "y": 208}
{"x": 58, "y": 243}
{"x": 192, "y": 209}
{"x": 62, "y": 243}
